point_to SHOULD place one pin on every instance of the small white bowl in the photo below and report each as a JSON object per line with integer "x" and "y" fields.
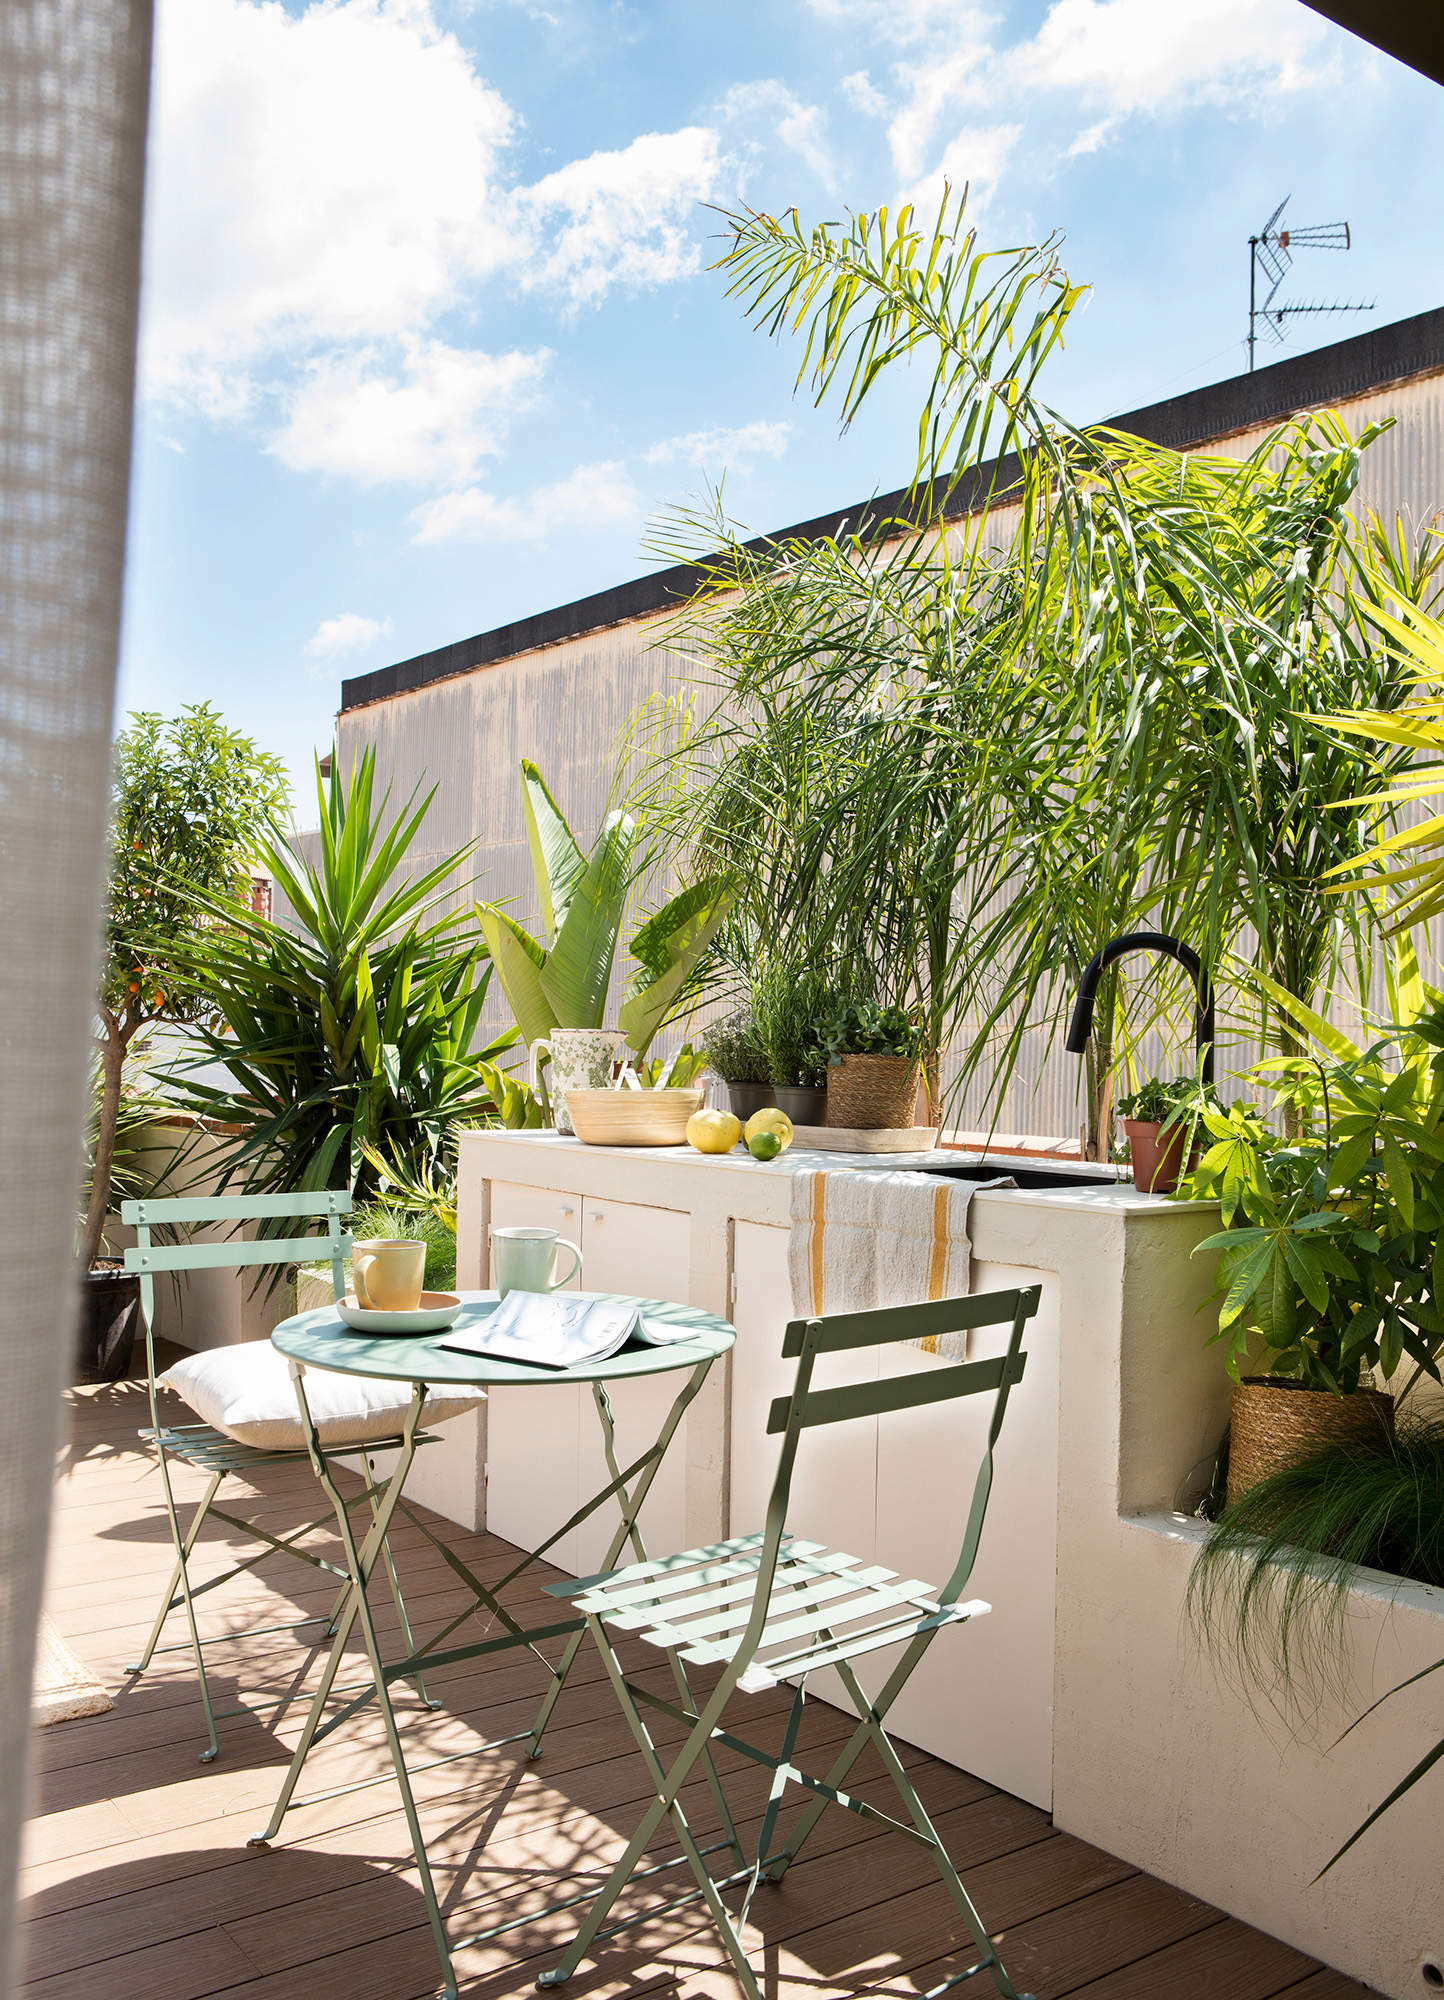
{"x": 437, "y": 1311}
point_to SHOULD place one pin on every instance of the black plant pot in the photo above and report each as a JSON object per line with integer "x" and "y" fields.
{"x": 803, "y": 1105}
{"x": 749, "y": 1097}
{"x": 109, "y": 1321}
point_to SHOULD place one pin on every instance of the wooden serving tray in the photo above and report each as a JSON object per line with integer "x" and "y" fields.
{"x": 847, "y": 1139}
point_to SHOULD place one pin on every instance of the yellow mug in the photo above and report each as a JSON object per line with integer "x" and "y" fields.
{"x": 388, "y": 1273}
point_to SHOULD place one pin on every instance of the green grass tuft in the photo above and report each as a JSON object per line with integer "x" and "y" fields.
{"x": 1269, "y": 1592}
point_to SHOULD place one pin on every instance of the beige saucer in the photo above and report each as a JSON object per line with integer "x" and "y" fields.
{"x": 436, "y": 1311}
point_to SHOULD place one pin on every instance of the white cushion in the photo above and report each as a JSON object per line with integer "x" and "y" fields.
{"x": 247, "y": 1392}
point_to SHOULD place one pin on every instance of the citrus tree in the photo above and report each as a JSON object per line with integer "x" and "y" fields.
{"x": 192, "y": 802}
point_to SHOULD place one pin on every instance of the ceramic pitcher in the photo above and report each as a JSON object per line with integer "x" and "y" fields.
{"x": 581, "y": 1059}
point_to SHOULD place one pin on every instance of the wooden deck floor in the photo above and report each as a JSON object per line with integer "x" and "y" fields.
{"x": 141, "y": 1886}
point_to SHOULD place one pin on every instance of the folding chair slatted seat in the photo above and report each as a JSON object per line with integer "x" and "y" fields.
{"x": 771, "y": 1608}
{"x": 215, "y": 1452}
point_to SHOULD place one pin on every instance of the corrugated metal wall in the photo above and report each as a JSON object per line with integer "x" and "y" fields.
{"x": 570, "y": 707}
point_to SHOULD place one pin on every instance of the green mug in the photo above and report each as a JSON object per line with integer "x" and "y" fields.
{"x": 524, "y": 1260}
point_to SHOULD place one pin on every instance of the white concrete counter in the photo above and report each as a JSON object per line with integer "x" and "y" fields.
{"x": 1083, "y": 1691}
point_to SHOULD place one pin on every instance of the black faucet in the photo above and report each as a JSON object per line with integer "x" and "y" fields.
{"x": 1081, "y": 1025}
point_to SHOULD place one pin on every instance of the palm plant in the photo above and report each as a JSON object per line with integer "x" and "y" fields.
{"x": 358, "y": 1031}
{"x": 583, "y": 900}
{"x": 1113, "y": 694}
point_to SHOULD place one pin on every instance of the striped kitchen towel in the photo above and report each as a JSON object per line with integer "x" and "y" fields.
{"x": 880, "y": 1239}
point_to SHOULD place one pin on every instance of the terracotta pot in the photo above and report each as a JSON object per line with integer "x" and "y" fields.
{"x": 1157, "y": 1161}
{"x": 749, "y": 1097}
{"x": 109, "y": 1321}
{"x": 872, "y": 1093}
{"x": 1276, "y": 1423}
{"x": 803, "y": 1105}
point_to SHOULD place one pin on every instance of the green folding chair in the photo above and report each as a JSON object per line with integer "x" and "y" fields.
{"x": 213, "y": 1450}
{"x": 770, "y": 1608}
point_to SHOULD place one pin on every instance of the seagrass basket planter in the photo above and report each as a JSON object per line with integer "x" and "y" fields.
{"x": 873, "y": 1093}
{"x": 1276, "y": 1423}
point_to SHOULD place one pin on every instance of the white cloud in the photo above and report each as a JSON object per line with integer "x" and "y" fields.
{"x": 863, "y": 94}
{"x": 321, "y": 176}
{"x": 621, "y": 218}
{"x": 977, "y": 157}
{"x": 592, "y": 496}
{"x": 430, "y": 419}
{"x": 908, "y": 21}
{"x": 718, "y": 448}
{"x": 953, "y": 79}
{"x": 932, "y": 89}
{"x": 1127, "y": 56}
{"x": 347, "y": 632}
{"x": 802, "y": 128}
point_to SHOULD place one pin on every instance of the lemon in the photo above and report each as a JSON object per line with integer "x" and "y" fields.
{"x": 770, "y": 1120}
{"x": 713, "y": 1131}
{"x": 764, "y": 1145}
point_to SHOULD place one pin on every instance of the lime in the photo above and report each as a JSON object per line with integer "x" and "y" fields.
{"x": 770, "y": 1119}
{"x": 764, "y": 1145}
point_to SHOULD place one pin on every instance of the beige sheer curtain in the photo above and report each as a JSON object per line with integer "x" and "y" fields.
{"x": 74, "y": 81}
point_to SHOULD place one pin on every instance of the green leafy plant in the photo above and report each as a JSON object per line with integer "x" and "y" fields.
{"x": 1157, "y": 1102}
{"x": 583, "y": 900}
{"x": 1330, "y": 1258}
{"x": 191, "y": 804}
{"x": 674, "y": 1072}
{"x": 358, "y": 1032}
{"x": 733, "y": 1048}
{"x": 867, "y": 1028}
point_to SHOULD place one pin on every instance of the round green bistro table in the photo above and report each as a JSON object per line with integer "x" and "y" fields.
{"x": 322, "y": 1339}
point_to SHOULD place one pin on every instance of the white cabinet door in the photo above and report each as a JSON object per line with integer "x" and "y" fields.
{"x": 629, "y": 1248}
{"x": 531, "y": 1434}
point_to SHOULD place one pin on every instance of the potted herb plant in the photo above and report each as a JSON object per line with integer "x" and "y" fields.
{"x": 786, "y": 1001}
{"x": 1160, "y": 1119}
{"x": 733, "y": 1050}
{"x": 873, "y": 1064}
{"x": 1327, "y": 1257}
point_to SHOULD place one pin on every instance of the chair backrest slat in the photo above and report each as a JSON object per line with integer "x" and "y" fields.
{"x": 895, "y": 1392}
{"x": 840, "y": 1331}
{"x": 237, "y": 1254}
{"x": 237, "y": 1207}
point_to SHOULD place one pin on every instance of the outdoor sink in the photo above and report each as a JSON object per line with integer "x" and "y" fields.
{"x": 1026, "y": 1173}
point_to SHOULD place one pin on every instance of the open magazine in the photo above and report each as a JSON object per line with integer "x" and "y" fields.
{"x": 557, "y": 1330}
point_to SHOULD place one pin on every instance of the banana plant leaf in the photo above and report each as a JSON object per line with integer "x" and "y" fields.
{"x": 557, "y": 861}
{"x": 578, "y": 968}
{"x": 670, "y": 947}
{"x": 519, "y": 959}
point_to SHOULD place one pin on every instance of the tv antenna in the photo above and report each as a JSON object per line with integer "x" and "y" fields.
{"x": 1270, "y": 253}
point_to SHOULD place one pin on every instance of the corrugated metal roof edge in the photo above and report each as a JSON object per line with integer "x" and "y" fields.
{"x": 1345, "y": 369}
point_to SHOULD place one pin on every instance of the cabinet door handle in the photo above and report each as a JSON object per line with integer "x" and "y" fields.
{"x": 567, "y": 1208}
{"x": 596, "y": 1216}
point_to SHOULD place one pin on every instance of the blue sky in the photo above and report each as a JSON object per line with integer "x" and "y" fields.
{"x": 429, "y": 333}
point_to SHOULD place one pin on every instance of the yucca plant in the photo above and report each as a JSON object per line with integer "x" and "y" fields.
{"x": 357, "y": 1031}
{"x": 584, "y": 898}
